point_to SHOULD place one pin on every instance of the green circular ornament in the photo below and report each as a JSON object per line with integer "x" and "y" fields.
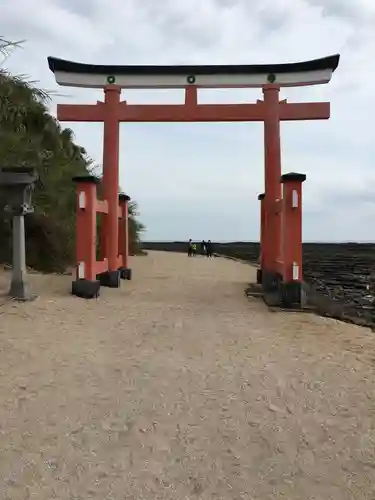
{"x": 271, "y": 78}
{"x": 191, "y": 79}
{"x": 111, "y": 79}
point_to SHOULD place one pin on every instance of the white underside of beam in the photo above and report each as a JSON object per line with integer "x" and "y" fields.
{"x": 201, "y": 81}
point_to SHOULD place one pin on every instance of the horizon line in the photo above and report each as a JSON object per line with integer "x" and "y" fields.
{"x": 357, "y": 242}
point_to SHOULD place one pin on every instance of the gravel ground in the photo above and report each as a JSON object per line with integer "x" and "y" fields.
{"x": 178, "y": 387}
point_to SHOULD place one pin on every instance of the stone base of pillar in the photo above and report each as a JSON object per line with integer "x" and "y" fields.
{"x": 259, "y": 276}
{"x": 271, "y": 288}
{"x": 110, "y": 279}
{"x": 270, "y": 281}
{"x": 125, "y": 273}
{"x": 20, "y": 290}
{"x": 291, "y": 295}
{"x": 86, "y": 289}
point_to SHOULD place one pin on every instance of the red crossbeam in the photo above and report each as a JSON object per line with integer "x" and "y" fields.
{"x": 193, "y": 112}
{"x": 80, "y": 113}
{"x": 305, "y": 111}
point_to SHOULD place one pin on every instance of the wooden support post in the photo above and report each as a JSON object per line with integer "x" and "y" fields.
{"x": 86, "y": 285}
{"x": 261, "y": 240}
{"x": 292, "y": 277}
{"x": 123, "y": 232}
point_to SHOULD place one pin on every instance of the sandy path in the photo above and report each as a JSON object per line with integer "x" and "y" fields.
{"x": 178, "y": 387}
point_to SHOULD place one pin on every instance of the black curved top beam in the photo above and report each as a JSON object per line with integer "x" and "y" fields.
{"x": 75, "y": 74}
{"x": 62, "y": 65}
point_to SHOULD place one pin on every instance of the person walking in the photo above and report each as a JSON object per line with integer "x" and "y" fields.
{"x": 203, "y": 247}
{"x": 194, "y": 249}
{"x": 190, "y": 248}
{"x": 209, "y": 248}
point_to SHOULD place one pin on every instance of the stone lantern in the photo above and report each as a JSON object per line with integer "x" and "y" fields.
{"x": 16, "y": 188}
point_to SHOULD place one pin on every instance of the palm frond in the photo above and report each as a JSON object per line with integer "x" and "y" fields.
{"x": 6, "y": 46}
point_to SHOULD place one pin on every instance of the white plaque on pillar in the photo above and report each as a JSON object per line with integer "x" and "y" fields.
{"x": 295, "y": 271}
{"x": 294, "y": 198}
{"x": 82, "y": 200}
{"x": 81, "y": 270}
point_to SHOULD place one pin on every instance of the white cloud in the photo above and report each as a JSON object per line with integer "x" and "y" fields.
{"x": 202, "y": 180}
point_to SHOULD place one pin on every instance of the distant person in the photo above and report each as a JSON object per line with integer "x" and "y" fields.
{"x": 203, "y": 247}
{"x": 194, "y": 249}
{"x": 190, "y": 248}
{"x": 209, "y": 248}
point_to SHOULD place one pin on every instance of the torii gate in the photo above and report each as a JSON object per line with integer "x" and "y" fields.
{"x": 270, "y": 77}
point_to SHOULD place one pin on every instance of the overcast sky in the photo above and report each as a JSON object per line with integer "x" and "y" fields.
{"x": 202, "y": 180}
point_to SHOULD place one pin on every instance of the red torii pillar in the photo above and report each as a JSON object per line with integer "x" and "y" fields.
{"x": 274, "y": 112}
{"x": 111, "y": 144}
{"x": 272, "y": 166}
